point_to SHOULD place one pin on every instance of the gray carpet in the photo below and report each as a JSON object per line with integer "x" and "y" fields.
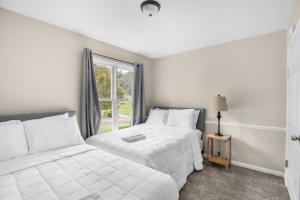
{"x": 213, "y": 183}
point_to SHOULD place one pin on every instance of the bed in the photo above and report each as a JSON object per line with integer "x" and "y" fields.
{"x": 172, "y": 150}
{"x": 80, "y": 172}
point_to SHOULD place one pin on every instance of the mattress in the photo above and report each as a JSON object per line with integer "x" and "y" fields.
{"x": 172, "y": 150}
{"x": 82, "y": 172}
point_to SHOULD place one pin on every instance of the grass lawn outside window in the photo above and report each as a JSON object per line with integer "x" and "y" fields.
{"x": 125, "y": 113}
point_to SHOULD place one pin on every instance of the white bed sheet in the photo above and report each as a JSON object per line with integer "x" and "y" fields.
{"x": 80, "y": 172}
{"x": 173, "y": 150}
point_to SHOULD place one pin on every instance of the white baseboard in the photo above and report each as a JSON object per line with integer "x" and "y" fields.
{"x": 257, "y": 168}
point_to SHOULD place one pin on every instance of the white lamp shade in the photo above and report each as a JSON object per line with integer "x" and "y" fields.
{"x": 219, "y": 103}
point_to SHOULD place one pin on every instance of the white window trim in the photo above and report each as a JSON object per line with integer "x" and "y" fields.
{"x": 114, "y": 100}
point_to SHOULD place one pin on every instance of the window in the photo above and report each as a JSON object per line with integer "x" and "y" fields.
{"x": 114, "y": 83}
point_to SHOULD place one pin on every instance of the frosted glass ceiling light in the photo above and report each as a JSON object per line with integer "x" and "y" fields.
{"x": 150, "y": 7}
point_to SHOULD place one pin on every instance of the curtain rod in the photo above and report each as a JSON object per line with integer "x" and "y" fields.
{"x": 113, "y": 58}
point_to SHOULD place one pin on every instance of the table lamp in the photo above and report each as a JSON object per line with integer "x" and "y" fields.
{"x": 219, "y": 104}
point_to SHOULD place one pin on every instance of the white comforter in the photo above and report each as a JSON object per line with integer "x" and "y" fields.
{"x": 172, "y": 150}
{"x": 82, "y": 172}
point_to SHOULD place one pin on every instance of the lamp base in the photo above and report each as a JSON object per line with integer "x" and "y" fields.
{"x": 219, "y": 134}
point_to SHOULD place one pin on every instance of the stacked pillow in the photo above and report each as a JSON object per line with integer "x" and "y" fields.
{"x": 158, "y": 117}
{"x": 21, "y": 138}
{"x": 186, "y": 118}
{"x": 12, "y": 140}
{"x": 52, "y": 133}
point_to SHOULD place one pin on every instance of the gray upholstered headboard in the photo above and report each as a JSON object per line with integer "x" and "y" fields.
{"x": 201, "y": 119}
{"x": 24, "y": 117}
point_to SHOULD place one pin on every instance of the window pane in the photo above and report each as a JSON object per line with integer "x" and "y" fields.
{"x": 103, "y": 81}
{"x": 106, "y": 116}
{"x": 124, "y": 83}
{"x": 124, "y": 94}
{"x": 125, "y": 113}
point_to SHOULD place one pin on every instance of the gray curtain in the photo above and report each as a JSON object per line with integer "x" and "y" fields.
{"x": 89, "y": 105}
{"x": 138, "y": 95}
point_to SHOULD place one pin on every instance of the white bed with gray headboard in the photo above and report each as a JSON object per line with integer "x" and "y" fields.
{"x": 174, "y": 150}
{"x": 69, "y": 170}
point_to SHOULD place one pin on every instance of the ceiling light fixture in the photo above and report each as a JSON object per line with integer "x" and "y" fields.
{"x": 150, "y": 7}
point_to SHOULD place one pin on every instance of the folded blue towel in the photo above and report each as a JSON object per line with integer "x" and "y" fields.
{"x": 134, "y": 138}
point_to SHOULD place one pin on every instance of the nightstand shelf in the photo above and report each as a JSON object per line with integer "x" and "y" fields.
{"x": 218, "y": 160}
{"x": 225, "y": 161}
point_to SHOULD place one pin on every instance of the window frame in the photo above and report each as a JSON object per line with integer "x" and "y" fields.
{"x": 114, "y": 66}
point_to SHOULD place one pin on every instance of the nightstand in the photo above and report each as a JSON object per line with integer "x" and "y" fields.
{"x": 211, "y": 157}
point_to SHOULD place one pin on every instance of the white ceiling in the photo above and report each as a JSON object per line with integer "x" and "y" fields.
{"x": 181, "y": 25}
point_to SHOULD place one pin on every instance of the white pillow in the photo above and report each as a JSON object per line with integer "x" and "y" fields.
{"x": 197, "y": 112}
{"x": 44, "y": 135}
{"x": 157, "y": 117}
{"x": 13, "y": 142}
{"x": 9, "y": 122}
{"x": 182, "y": 118}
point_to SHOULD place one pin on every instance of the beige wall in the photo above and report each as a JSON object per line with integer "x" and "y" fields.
{"x": 251, "y": 73}
{"x": 40, "y": 65}
{"x": 40, "y": 70}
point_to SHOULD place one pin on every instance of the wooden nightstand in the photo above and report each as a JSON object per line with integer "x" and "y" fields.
{"x": 211, "y": 157}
